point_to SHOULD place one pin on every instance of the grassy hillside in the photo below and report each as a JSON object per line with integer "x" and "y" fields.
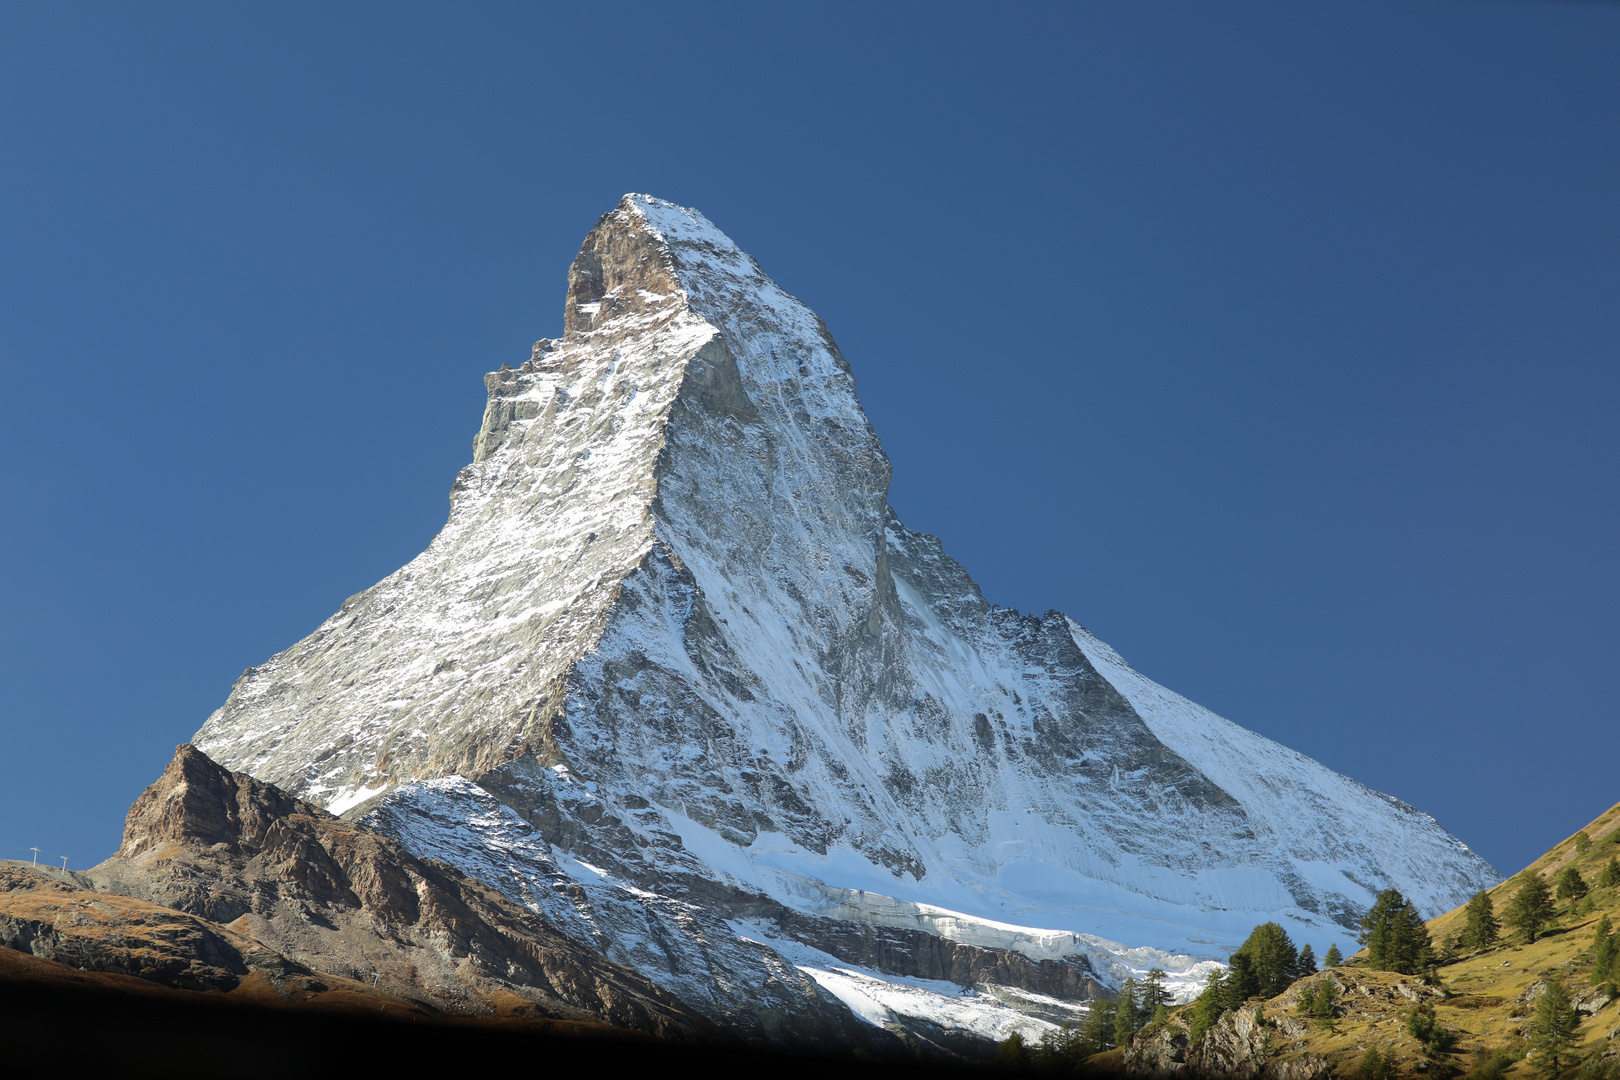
{"x": 1484, "y": 1000}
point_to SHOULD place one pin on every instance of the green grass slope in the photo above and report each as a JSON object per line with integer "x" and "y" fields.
{"x": 1484, "y": 1001}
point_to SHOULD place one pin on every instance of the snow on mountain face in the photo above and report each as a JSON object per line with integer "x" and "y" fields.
{"x": 673, "y": 628}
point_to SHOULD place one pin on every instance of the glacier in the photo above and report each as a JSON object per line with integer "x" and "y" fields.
{"x": 676, "y": 676}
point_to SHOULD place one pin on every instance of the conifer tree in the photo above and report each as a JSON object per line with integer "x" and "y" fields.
{"x": 1012, "y": 1053}
{"x": 1273, "y": 957}
{"x": 1531, "y": 907}
{"x": 1153, "y": 995}
{"x": 1480, "y": 929}
{"x": 1241, "y": 981}
{"x": 1209, "y": 1006}
{"x": 1377, "y": 1065}
{"x": 1334, "y": 957}
{"x": 1307, "y": 961}
{"x": 1097, "y": 1034}
{"x": 1609, "y": 876}
{"x": 1125, "y": 1014}
{"x": 1424, "y": 1026}
{"x": 1605, "y": 954}
{"x": 1582, "y": 841}
{"x": 1395, "y": 936}
{"x": 1327, "y": 996}
{"x": 1571, "y": 886}
{"x": 1318, "y": 1000}
{"x": 1061, "y": 1051}
{"x": 1552, "y": 1033}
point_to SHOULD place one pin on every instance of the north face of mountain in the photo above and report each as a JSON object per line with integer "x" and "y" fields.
{"x": 673, "y": 660}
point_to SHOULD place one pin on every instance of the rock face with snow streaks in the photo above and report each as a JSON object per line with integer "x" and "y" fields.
{"x": 673, "y": 636}
{"x": 230, "y": 876}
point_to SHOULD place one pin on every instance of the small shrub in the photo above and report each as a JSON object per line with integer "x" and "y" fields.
{"x": 1597, "y": 1067}
{"x": 1377, "y": 1064}
{"x": 1571, "y": 886}
{"x": 1424, "y": 1026}
{"x": 1012, "y": 1053}
{"x": 1491, "y": 1065}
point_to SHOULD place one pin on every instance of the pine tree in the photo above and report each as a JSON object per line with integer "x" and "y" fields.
{"x": 1242, "y": 983}
{"x": 1605, "y": 954}
{"x": 1061, "y": 1051}
{"x": 1571, "y": 886}
{"x": 1012, "y": 1053}
{"x": 1334, "y": 957}
{"x": 1424, "y": 1026}
{"x": 1395, "y": 936}
{"x": 1490, "y": 1065}
{"x": 1376, "y": 1065}
{"x": 1097, "y": 1033}
{"x": 1273, "y": 956}
{"x": 1318, "y": 1000}
{"x": 1609, "y": 876}
{"x": 1582, "y": 841}
{"x": 1210, "y": 1005}
{"x": 1125, "y": 1014}
{"x": 1552, "y": 1033}
{"x": 1531, "y": 907}
{"x": 1481, "y": 929}
{"x": 1153, "y": 995}
{"x": 1307, "y": 961}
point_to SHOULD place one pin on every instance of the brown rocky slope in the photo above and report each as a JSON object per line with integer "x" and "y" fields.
{"x": 230, "y": 886}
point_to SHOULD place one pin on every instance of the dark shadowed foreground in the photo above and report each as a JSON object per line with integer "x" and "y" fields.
{"x": 58, "y": 1021}
{"x": 241, "y": 930}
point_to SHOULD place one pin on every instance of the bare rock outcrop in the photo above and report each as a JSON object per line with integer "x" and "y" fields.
{"x": 1246, "y": 1044}
{"x": 56, "y": 919}
{"x": 915, "y": 954}
{"x": 246, "y": 869}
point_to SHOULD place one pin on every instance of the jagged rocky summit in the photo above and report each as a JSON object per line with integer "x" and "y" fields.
{"x": 675, "y": 676}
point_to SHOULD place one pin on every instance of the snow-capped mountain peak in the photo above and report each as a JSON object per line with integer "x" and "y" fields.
{"x": 673, "y": 634}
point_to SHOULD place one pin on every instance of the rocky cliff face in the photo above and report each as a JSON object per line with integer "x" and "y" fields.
{"x": 673, "y": 667}
{"x": 1247, "y": 1044}
{"x": 228, "y": 875}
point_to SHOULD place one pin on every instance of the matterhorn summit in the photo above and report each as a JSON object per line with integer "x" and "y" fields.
{"x": 676, "y": 677}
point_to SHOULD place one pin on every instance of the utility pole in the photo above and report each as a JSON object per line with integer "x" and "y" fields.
{"x": 35, "y": 850}
{"x": 64, "y": 864}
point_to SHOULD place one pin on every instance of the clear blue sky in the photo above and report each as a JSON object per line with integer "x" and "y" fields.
{"x": 1277, "y": 343}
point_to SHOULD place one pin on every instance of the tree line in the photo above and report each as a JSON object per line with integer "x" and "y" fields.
{"x": 1396, "y": 939}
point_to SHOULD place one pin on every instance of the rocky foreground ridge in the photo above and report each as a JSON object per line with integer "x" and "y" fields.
{"x": 676, "y": 678}
{"x": 227, "y": 885}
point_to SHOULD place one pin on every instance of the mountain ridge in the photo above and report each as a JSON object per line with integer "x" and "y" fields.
{"x": 674, "y": 646}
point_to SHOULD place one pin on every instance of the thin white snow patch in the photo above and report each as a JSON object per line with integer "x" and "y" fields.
{"x": 348, "y": 798}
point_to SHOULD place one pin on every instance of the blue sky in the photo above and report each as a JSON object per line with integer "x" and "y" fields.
{"x": 1276, "y": 343}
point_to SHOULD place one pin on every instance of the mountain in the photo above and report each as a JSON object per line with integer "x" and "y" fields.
{"x": 226, "y": 885}
{"x": 1484, "y": 999}
{"x": 675, "y": 677}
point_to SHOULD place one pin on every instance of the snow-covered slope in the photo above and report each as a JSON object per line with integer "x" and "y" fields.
{"x": 674, "y": 629}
